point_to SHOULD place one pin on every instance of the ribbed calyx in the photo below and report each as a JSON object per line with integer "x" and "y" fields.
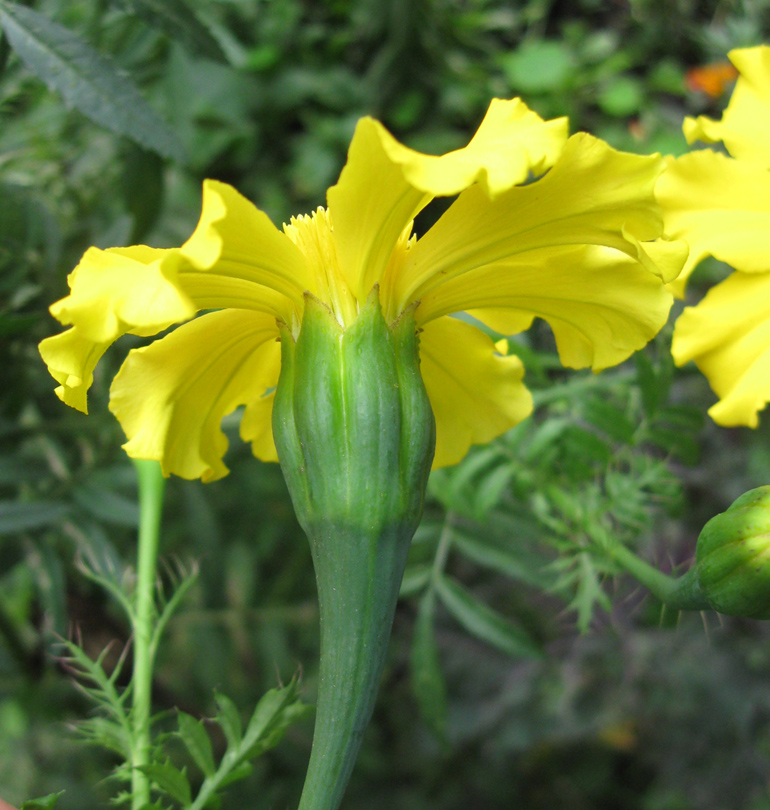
{"x": 355, "y": 436}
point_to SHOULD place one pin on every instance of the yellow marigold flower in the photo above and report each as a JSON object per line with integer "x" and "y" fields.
{"x": 720, "y": 205}
{"x": 578, "y": 247}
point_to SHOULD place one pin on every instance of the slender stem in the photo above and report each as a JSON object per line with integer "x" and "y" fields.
{"x": 679, "y": 593}
{"x": 151, "y": 489}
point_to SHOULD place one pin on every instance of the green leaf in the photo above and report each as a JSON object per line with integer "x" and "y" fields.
{"x": 505, "y": 561}
{"x": 539, "y": 66}
{"x": 170, "y": 780}
{"x": 609, "y": 418}
{"x": 178, "y": 20}
{"x": 21, "y": 517}
{"x": 196, "y": 739}
{"x": 428, "y": 682}
{"x": 107, "y": 505}
{"x": 46, "y": 803}
{"x": 654, "y": 380}
{"x": 621, "y": 96}
{"x": 240, "y": 772}
{"x": 275, "y": 712}
{"x": 483, "y": 622}
{"x": 229, "y": 718}
{"x": 85, "y": 79}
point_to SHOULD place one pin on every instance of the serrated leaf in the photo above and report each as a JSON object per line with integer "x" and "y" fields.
{"x": 85, "y": 79}
{"x": 197, "y": 741}
{"x": 504, "y": 561}
{"x": 588, "y": 593}
{"x": 178, "y": 20}
{"x": 105, "y": 733}
{"x": 654, "y": 382}
{"x": 229, "y": 718}
{"x": 20, "y": 517}
{"x": 46, "y": 803}
{"x": 428, "y": 684}
{"x": 275, "y": 712}
{"x": 483, "y": 622}
{"x": 107, "y": 505}
{"x": 170, "y": 780}
{"x": 608, "y": 418}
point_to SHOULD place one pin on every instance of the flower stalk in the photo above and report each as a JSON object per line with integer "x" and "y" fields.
{"x": 355, "y": 436}
{"x": 151, "y": 491}
{"x": 732, "y": 563}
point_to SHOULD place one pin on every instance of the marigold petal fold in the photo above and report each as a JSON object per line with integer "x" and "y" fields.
{"x": 112, "y": 292}
{"x": 235, "y": 239}
{"x": 475, "y": 393}
{"x": 170, "y": 397}
{"x": 124, "y": 290}
{"x": 594, "y": 196}
{"x": 728, "y": 336}
{"x": 257, "y": 426}
{"x": 721, "y": 207}
{"x": 511, "y": 142}
{"x": 746, "y": 121}
{"x": 71, "y": 359}
{"x": 601, "y": 304}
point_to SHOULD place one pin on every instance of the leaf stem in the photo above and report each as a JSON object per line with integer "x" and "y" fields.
{"x": 151, "y": 490}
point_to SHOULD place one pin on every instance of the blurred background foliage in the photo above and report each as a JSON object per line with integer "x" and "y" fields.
{"x": 523, "y": 670}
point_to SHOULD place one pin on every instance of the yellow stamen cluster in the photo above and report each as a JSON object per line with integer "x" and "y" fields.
{"x": 313, "y": 234}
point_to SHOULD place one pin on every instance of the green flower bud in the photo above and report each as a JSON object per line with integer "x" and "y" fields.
{"x": 355, "y": 436}
{"x": 733, "y": 557}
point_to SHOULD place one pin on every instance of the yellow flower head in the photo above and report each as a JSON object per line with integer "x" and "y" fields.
{"x": 578, "y": 247}
{"x": 720, "y": 205}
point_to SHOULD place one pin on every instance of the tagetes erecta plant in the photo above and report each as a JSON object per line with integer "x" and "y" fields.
{"x": 577, "y": 248}
{"x": 371, "y": 380}
{"x": 720, "y": 205}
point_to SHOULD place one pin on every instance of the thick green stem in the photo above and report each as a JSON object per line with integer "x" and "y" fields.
{"x": 358, "y": 581}
{"x": 677, "y": 593}
{"x": 151, "y": 489}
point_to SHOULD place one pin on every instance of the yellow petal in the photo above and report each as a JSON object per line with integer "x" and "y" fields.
{"x": 385, "y": 184}
{"x": 124, "y": 290}
{"x": 170, "y": 397}
{"x": 71, "y": 359}
{"x": 370, "y": 207}
{"x": 593, "y": 195}
{"x": 746, "y": 121}
{"x": 728, "y": 337}
{"x": 721, "y": 207}
{"x": 113, "y": 292}
{"x": 601, "y": 304}
{"x": 235, "y": 239}
{"x": 475, "y": 393}
{"x": 257, "y": 427}
{"x": 511, "y": 142}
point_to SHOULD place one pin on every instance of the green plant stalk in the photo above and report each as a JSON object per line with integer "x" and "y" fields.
{"x": 677, "y": 593}
{"x": 356, "y": 617}
{"x": 151, "y": 491}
